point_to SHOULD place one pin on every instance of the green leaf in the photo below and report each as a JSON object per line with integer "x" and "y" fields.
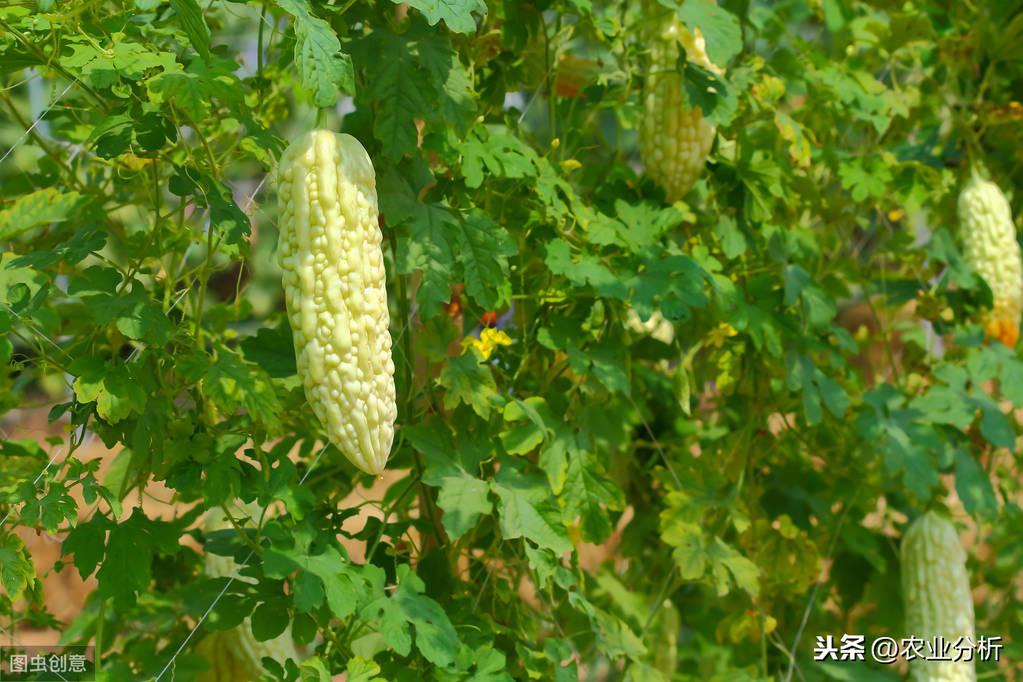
{"x": 643, "y": 224}
{"x": 457, "y": 14}
{"x": 269, "y": 620}
{"x": 545, "y": 428}
{"x": 131, "y": 547}
{"x": 798, "y": 137}
{"x": 588, "y": 495}
{"x": 337, "y": 578}
{"x": 468, "y": 380}
{"x": 524, "y": 438}
{"x": 690, "y": 551}
{"x": 583, "y": 269}
{"x": 615, "y": 638}
{"x": 974, "y": 487}
{"x": 865, "y": 178}
{"x": 464, "y": 499}
{"x": 495, "y": 153}
{"x": 942, "y": 405}
{"x": 491, "y": 665}
{"x": 233, "y": 384}
{"x": 711, "y": 93}
{"x": 131, "y": 310}
{"x": 225, "y": 215}
{"x": 153, "y": 131}
{"x": 434, "y": 440}
{"x": 606, "y": 363}
{"x": 720, "y": 28}
{"x": 408, "y": 610}
{"x": 400, "y": 91}
{"x": 740, "y": 570}
{"x": 995, "y": 425}
{"x": 189, "y": 92}
{"x": 16, "y": 570}
{"x": 105, "y": 66}
{"x": 116, "y": 392}
{"x": 907, "y": 445}
{"x": 526, "y": 511}
{"x": 20, "y": 460}
{"x": 192, "y": 21}
{"x": 697, "y": 551}
{"x": 484, "y": 247}
{"x": 324, "y": 68}
{"x": 50, "y": 510}
{"x": 1011, "y": 377}
{"x": 451, "y": 82}
{"x": 674, "y": 284}
{"x": 426, "y": 248}
{"x": 192, "y": 90}
{"x": 543, "y": 562}
{"x": 315, "y": 670}
{"x": 273, "y": 350}
{"x": 803, "y": 374}
{"x": 361, "y": 670}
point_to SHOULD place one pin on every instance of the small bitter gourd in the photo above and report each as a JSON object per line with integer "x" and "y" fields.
{"x": 989, "y": 240}
{"x": 937, "y": 600}
{"x": 336, "y": 295}
{"x": 236, "y": 655}
{"x": 656, "y": 326}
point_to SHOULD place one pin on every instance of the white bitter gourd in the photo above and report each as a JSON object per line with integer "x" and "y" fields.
{"x": 989, "y": 238}
{"x": 656, "y": 326}
{"x": 235, "y": 655}
{"x": 936, "y": 592}
{"x": 674, "y": 137}
{"x": 335, "y": 290}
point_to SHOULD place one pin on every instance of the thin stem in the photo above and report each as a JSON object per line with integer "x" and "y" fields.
{"x": 259, "y": 44}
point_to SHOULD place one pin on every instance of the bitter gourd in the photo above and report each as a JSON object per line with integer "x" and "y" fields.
{"x": 936, "y": 592}
{"x": 336, "y": 295}
{"x": 674, "y": 137}
{"x": 235, "y": 655}
{"x": 989, "y": 240}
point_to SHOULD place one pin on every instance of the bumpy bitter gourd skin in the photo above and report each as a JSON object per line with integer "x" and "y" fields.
{"x": 674, "y": 138}
{"x": 936, "y": 592}
{"x": 989, "y": 238}
{"x": 335, "y": 289}
{"x": 235, "y": 655}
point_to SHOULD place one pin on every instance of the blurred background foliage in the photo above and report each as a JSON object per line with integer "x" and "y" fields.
{"x": 588, "y": 495}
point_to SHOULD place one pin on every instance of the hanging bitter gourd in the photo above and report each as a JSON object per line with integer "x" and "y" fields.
{"x": 674, "y": 137}
{"x": 989, "y": 240}
{"x": 236, "y": 655}
{"x": 336, "y": 295}
{"x": 936, "y": 595}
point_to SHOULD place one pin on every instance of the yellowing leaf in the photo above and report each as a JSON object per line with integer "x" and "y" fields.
{"x": 45, "y": 206}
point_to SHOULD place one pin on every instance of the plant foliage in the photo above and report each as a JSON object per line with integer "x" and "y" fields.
{"x": 568, "y": 497}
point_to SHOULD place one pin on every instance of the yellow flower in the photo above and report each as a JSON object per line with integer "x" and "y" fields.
{"x": 488, "y": 342}
{"x": 719, "y": 334}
